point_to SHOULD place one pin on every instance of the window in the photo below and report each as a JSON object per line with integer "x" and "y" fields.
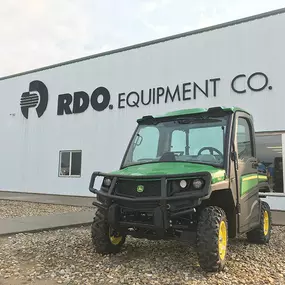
{"x": 146, "y": 144}
{"x": 178, "y": 141}
{"x": 244, "y": 139}
{"x": 199, "y": 138}
{"x": 212, "y": 137}
{"x": 70, "y": 163}
{"x": 269, "y": 152}
{"x": 190, "y": 139}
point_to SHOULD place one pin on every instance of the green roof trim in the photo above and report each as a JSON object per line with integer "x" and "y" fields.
{"x": 199, "y": 111}
{"x": 185, "y": 112}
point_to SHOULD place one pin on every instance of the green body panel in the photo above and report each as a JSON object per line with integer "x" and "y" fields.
{"x": 262, "y": 177}
{"x": 171, "y": 168}
{"x": 249, "y": 181}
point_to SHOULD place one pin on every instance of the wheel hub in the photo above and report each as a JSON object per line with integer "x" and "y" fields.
{"x": 222, "y": 240}
{"x": 266, "y": 223}
{"x": 114, "y": 237}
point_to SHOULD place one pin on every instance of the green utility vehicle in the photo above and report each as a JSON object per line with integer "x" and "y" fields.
{"x": 188, "y": 175}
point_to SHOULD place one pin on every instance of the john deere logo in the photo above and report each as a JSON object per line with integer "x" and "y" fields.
{"x": 140, "y": 188}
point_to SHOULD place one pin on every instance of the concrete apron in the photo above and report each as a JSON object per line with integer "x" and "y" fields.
{"x": 12, "y": 226}
{"x": 31, "y": 224}
{"x": 16, "y": 225}
{"x": 47, "y": 198}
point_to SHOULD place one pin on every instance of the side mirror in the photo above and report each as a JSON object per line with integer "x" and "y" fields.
{"x": 138, "y": 140}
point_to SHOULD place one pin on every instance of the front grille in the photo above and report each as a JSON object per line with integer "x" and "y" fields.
{"x": 142, "y": 188}
{"x": 138, "y": 206}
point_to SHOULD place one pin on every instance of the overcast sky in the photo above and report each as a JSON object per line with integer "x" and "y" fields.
{"x": 35, "y": 33}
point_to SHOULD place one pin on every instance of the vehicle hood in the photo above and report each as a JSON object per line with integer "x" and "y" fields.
{"x": 171, "y": 168}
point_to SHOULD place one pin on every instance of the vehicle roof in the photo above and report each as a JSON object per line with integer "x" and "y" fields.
{"x": 200, "y": 110}
{"x": 193, "y": 111}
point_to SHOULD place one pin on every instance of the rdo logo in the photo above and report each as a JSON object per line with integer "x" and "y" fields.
{"x": 36, "y": 97}
{"x": 80, "y": 101}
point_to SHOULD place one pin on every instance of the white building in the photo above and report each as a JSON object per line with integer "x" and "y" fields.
{"x": 82, "y": 113}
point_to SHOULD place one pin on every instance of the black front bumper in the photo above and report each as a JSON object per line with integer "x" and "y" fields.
{"x": 161, "y": 208}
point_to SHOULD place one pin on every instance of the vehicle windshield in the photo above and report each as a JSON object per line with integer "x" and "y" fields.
{"x": 197, "y": 139}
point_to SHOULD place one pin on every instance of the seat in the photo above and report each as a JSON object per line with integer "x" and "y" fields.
{"x": 168, "y": 156}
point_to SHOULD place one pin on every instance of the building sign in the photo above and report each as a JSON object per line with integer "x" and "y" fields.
{"x": 100, "y": 99}
{"x": 36, "y": 97}
{"x": 80, "y": 101}
{"x": 248, "y": 82}
{"x": 181, "y": 92}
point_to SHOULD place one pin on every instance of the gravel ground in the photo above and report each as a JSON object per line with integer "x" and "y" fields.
{"x": 67, "y": 257}
{"x": 11, "y": 209}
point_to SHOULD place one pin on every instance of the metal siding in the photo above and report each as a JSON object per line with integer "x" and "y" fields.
{"x": 30, "y": 148}
{"x": 169, "y": 38}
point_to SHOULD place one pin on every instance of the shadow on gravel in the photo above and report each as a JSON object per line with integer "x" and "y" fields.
{"x": 163, "y": 256}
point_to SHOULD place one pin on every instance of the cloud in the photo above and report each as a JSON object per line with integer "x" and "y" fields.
{"x": 148, "y": 6}
{"x": 35, "y": 33}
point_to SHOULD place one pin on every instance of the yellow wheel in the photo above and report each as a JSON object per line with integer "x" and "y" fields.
{"x": 212, "y": 239}
{"x": 262, "y": 233}
{"x": 115, "y": 238}
{"x": 222, "y": 240}
{"x": 105, "y": 239}
{"x": 265, "y": 223}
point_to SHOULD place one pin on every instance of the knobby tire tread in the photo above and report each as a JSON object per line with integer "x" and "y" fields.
{"x": 100, "y": 235}
{"x": 257, "y": 235}
{"x": 207, "y": 238}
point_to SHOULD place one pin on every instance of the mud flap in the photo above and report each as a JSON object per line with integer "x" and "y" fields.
{"x": 160, "y": 220}
{"x": 113, "y": 215}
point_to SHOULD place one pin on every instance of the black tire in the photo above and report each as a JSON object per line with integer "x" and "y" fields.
{"x": 208, "y": 234}
{"x": 262, "y": 234}
{"x": 100, "y": 233}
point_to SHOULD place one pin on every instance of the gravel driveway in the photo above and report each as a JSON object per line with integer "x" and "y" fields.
{"x": 12, "y": 209}
{"x": 67, "y": 257}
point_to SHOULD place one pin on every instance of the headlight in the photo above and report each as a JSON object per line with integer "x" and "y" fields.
{"x": 198, "y": 183}
{"x": 183, "y": 184}
{"x": 107, "y": 182}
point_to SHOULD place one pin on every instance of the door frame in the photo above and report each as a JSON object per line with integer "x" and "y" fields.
{"x": 253, "y": 194}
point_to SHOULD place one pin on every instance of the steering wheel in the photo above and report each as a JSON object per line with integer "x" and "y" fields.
{"x": 212, "y": 150}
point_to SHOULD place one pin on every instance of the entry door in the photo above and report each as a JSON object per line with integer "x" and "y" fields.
{"x": 247, "y": 173}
